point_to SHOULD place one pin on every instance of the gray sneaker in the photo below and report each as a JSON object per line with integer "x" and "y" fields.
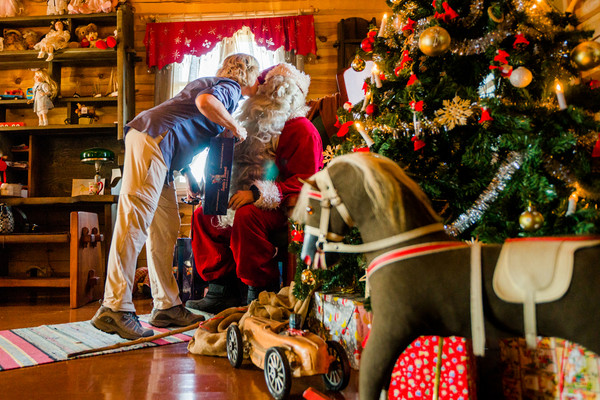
{"x": 123, "y": 323}
{"x": 177, "y": 315}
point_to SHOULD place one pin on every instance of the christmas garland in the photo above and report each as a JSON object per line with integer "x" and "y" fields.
{"x": 491, "y": 193}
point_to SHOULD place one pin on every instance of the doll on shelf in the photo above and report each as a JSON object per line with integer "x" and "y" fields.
{"x": 57, "y": 38}
{"x": 11, "y": 8}
{"x": 44, "y": 90}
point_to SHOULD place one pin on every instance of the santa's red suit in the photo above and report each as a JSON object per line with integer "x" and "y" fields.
{"x": 244, "y": 247}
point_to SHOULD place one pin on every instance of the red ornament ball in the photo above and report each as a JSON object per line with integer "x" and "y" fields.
{"x": 371, "y": 109}
{"x": 366, "y": 45}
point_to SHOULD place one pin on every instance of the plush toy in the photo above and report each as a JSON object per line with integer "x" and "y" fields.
{"x": 13, "y": 40}
{"x": 82, "y": 32}
{"x": 10, "y": 8}
{"x": 88, "y": 37}
{"x": 56, "y": 7}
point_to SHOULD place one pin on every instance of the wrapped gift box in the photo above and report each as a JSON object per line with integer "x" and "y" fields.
{"x": 555, "y": 369}
{"x": 433, "y": 367}
{"x": 343, "y": 318}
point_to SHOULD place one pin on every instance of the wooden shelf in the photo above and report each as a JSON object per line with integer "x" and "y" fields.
{"x": 104, "y": 19}
{"x": 22, "y": 103}
{"x": 16, "y": 238}
{"x": 73, "y": 129}
{"x": 34, "y": 282}
{"x": 67, "y": 56}
{"x": 35, "y": 201}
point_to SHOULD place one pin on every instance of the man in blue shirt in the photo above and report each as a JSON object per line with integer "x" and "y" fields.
{"x": 159, "y": 141}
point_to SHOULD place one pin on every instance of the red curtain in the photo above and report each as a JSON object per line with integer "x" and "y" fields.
{"x": 168, "y": 42}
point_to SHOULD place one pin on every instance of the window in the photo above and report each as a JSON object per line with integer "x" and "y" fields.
{"x": 193, "y": 67}
{"x": 241, "y": 42}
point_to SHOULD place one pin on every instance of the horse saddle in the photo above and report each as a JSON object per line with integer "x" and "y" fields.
{"x": 536, "y": 270}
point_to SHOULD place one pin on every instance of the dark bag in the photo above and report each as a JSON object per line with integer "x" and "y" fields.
{"x": 14, "y": 220}
{"x": 7, "y": 219}
{"x": 191, "y": 285}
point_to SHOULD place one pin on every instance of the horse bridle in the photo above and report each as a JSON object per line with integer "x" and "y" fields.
{"x": 328, "y": 197}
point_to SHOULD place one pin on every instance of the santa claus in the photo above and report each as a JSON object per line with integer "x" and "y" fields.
{"x": 282, "y": 147}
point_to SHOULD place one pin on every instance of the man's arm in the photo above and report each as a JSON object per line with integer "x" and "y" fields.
{"x": 215, "y": 111}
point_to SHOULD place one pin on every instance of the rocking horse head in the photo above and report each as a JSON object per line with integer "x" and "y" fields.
{"x": 366, "y": 191}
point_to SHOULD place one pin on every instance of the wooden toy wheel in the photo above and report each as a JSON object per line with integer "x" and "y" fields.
{"x": 235, "y": 346}
{"x": 277, "y": 373}
{"x": 338, "y": 376}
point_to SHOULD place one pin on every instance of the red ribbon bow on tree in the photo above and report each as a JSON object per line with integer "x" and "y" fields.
{"x": 412, "y": 80}
{"x": 344, "y": 128}
{"x": 520, "y": 39}
{"x": 502, "y": 57}
{"x": 485, "y": 115}
{"x": 416, "y": 105}
{"x": 418, "y": 143}
{"x": 410, "y": 26}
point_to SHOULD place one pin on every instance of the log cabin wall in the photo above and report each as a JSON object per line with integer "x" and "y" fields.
{"x": 328, "y": 13}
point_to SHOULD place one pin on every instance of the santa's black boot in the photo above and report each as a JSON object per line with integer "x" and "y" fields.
{"x": 222, "y": 294}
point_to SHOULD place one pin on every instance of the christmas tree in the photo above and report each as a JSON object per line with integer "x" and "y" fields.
{"x": 485, "y": 105}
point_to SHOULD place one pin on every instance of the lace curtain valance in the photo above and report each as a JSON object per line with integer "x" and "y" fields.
{"x": 168, "y": 42}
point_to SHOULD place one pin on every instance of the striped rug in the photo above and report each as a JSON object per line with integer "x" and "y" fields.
{"x": 44, "y": 344}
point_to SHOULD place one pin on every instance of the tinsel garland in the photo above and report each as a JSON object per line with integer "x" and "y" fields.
{"x": 559, "y": 171}
{"x": 541, "y": 28}
{"x": 491, "y": 193}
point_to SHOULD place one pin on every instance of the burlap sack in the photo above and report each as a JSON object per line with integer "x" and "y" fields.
{"x": 210, "y": 339}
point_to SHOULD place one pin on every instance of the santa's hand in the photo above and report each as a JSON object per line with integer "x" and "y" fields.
{"x": 241, "y": 198}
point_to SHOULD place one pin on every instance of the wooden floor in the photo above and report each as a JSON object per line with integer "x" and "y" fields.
{"x": 165, "y": 372}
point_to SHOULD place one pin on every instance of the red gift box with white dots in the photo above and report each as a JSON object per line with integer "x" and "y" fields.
{"x": 435, "y": 368}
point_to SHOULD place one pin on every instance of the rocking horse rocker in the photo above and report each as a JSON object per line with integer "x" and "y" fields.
{"x": 419, "y": 276}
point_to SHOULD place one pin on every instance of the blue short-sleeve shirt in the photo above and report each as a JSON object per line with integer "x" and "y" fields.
{"x": 188, "y": 131}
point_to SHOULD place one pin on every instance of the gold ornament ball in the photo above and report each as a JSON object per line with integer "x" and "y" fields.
{"x": 307, "y": 277}
{"x": 586, "y": 55}
{"x": 521, "y": 77}
{"x": 531, "y": 220}
{"x": 434, "y": 41}
{"x": 358, "y": 64}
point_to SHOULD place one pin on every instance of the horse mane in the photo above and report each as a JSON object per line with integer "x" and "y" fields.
{"x": 383, "y": 182}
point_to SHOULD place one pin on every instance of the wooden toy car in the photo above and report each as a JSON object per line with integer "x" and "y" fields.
{"x": 283, "y": 352}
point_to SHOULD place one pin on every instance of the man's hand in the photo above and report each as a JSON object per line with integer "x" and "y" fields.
{"x": 194, "y": 191}
{"x": 240, "y": 198}
{"x": 240, "y": 134}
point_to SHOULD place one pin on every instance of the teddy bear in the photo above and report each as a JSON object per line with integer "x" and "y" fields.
{"x": 82, "y": 32}
{"x": 13, "y": 40}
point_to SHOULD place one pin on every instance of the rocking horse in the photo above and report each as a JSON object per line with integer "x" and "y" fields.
{"x": 419, "y": 277}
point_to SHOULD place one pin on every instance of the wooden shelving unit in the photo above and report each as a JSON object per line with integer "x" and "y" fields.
{"x": 52, "y": 152}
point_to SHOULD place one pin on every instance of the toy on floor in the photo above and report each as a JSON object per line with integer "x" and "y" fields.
{"x": 284, "y": 351}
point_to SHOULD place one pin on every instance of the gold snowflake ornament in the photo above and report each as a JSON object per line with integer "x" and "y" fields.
{"x": 454, "y": 113}
{"x": 329, "y": 153}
